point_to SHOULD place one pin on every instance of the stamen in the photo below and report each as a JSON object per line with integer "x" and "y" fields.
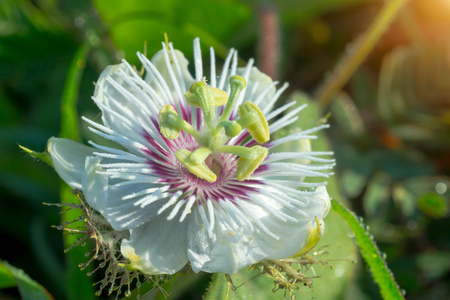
{"x": 251, "y": 117}
{"x": 218, "y": 132}
{"x": 199, "y": 95}
{"x": 237, "y": 84}
{"x": 200, "y": 155}
{"x": 246, "y": 167}
{"x": 241, "y": 151}
{"x": 170, "y": 124}
{"x": 198, "y": 169}
{"x": 232, "y": 128}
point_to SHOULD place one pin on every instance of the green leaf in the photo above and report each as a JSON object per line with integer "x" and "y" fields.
{"x": 333, "y": 282}
{"x": 251, "y": 287}
{"x": 134, "y": 22}
{"x": 371, "y": 254}
{"x": 9, "y": 112}
{"x": 218, "y": 288}
{"x": 6, "y": 278}
{"x": 347, "y": 115}
{"x": 433, "y": 205}
{"x": 377, "y": 194}
{"x": 352, "y": 182}
{"x": 28, "y": 288}
{"x": 434, "y": 264}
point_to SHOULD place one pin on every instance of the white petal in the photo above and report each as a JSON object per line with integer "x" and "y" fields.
{"x": 117, "y": 204}
{"x": 224, "y": 251}
{"x": 68, "y": 159}
{"x": 157, "y": 247}
{"x": 95, "y": 186}
{"x": 103, "y": 87}
{"x": 294, "y": 236}
{"x": 181, "y": 70}
{"x": 231, "y": 247}
{"x": 256, "y": 85}
{"x": 123, "y": 102}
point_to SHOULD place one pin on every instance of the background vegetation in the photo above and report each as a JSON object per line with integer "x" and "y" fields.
{"x": 390, "y": 123}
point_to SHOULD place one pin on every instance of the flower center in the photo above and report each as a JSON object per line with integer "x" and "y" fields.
{"x": 215, "y": 134}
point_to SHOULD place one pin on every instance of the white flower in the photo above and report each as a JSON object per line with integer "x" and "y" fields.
{"x": 190, "y": 177}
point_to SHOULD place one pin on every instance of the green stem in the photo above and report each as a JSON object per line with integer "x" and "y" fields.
{"x": 206, "y": 102}
{"x": 358, "y": 52}
{"x": 69, "y": 116}
{"x": 237, "y": 84}
{"x": 79, "y": 286}
{"x": 389, "y": 289}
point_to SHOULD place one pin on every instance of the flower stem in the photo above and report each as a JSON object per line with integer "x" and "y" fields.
{"x": 358, "y": 52}
{"x": 389, "y": 288}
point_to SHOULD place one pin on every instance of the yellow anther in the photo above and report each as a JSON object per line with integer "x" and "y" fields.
{"x": 170, "y": 124}
{"x": 200, "y": 154}
{"x": 315, "y": 233}
{"x": 201, "y": 170}
{"x": 192, "y": 97}
{"x": 200, "y": 96}
{"x": 213, "y": 139}
{"x": 167, "y": 129}
{"x": 220, "y": 97}
{"x": 252, "y": 118}
{"x": 246, "y": 166}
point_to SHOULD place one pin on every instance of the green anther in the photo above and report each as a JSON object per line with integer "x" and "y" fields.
{"x": 199, "y": 95}
{"x": 213, "y": 139}
{"x": 167, "y": 129}
{"x": 237, "y": 84}
{"x": 246, "y": 167}
{"x": 170, "y": 124}
{"x": 252, "y": 118}
{"x": 200, "y": 154}
{"x": 220, "y": 97}
{"x": 200, "y": 170}
{"x": 232, "y": 128}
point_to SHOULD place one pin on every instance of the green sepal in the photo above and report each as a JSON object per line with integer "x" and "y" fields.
{"x": 43, "y": 156}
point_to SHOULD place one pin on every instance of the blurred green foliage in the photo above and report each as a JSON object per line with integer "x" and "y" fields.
{"x": 28, "y": 288}
{"x": 390, "y": 125}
